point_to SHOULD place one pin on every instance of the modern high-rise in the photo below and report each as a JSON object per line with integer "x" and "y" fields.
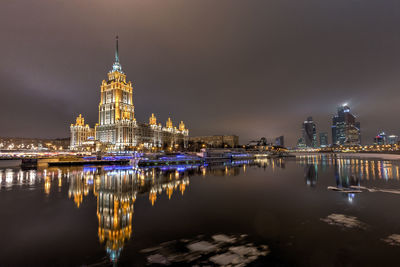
{"x": 380, "y": 139}
{"x": 323, "y": 139}
{"x": 393, "y": 139}
{"x": 345, "y": 128}
{"x": 309, "y": 133}
{"x": 118, "y": 129}
{"x": 280, "y": 141}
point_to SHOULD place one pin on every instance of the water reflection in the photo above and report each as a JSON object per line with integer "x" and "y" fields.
{"x": 117, "y": 188}
{"x": 349, "y": 173}
{"x": 347, "y": 170}
{"x": 311, "y": 174}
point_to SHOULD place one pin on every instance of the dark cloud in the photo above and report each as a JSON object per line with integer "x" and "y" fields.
{"x": 252, "y": 68}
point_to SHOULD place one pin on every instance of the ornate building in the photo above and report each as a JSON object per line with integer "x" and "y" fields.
{"x": 118, "y": 129}
{"x": 80, "y": 133}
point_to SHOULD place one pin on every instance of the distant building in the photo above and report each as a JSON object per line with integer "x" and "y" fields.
{"x": 309, "y": 133}
{"x": 260, "y": 144}
{"x": 300, "y": 143}
{"x": 380, "y": 139}
{"x": 393, "y": 139}
{"x": 323, "y": 139}
{"x": 18, "y": 143}
{"x": 279, "y": 141}
{"x": 215, "y": 141}
{"x": 345, "y": 128}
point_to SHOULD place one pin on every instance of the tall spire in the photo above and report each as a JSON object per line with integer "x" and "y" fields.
{"x": 117, "y": 66}
{"x": 116, "y": 50}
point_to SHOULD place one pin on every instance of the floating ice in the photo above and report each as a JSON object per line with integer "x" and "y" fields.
{"x": 393, "y": 240}
{"x": 202, "y": 246}
{"x": 344, "y": 221}
{"x": 147, "y": 250}
{"x": 224, "y": 238}
{"x": 219, "y": 250}
{"x": 372, "y": 190}
{"x": 226, "y": 258}
{"x": 158, "y": 259}
{"x": 344, "y": 190}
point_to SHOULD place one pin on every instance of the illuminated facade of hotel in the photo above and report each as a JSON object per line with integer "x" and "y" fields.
{"x": 117, "y": 127}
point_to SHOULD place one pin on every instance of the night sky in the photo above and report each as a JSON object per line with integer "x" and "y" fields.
{"x": 251, "y": 68}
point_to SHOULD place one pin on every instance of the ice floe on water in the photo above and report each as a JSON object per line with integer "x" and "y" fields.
{"x": 344, "y": 190}
{"x": 220, "y": 250}
{"x": 224, "y": 238}
{"x": 201, "y": 246}
{"x": 359, "y": 189}
{"x": 344, "y": 221}
{"x": 393, "y": 240}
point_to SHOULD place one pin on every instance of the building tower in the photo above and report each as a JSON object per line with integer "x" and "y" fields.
{"x": 323, "y": 139}
{"x": 80, "y": 133}
{"x": 116, "y": 110}
{"x": 117, "y": 129}
{"x": 309, "y": 133}
{"x": 345, "y": 128}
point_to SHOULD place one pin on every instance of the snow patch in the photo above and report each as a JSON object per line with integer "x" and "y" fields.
{"x": 344, "y": 221}
{"x": 216, "y": 250}
{"x": 202, "y": 246}
{"x": 393, "y": 240}
{"x": 223, "y": 238}
{"x": 158, "y": 259}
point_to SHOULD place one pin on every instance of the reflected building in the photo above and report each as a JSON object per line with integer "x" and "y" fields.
{"x": 118, "y": 188}
{"x": 116, "y": 194}
{"x": 345, "y": 176}
{"x": 311, "y": 174}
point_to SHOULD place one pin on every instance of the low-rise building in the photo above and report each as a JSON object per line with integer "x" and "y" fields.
{"x": 215, "y": 141}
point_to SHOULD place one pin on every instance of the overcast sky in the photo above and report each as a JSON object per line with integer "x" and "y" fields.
{"x": 250, "y": 68}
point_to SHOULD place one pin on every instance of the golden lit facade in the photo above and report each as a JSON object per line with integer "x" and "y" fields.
{"x": 80, "y": 133}
{"x": 117, "y": 128}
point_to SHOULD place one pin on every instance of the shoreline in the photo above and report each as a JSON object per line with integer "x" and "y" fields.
{"x": 384, "y": 156}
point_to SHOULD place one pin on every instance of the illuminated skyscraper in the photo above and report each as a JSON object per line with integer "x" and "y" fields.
{"x": 345, "y": 128}
{"x": 323, "y": 139}
{"x": 309, "y": 133}
{"x": 380, "y": 139}
{"x": 280, "y": 141}
{"x": 117, "y": 123}
{"x": 393, "y": 139}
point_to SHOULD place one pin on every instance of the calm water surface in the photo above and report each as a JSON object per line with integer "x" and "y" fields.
{"x": 308, "y": 211}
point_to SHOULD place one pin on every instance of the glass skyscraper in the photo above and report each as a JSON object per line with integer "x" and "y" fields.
{"x": 323, "y": 139}
{"x": 345, "y": 128}
{"x": 309, "y": 133}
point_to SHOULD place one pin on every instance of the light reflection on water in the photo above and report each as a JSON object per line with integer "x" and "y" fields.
{"x": 116, "y": 188}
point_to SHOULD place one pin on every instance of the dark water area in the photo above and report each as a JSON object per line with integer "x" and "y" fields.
{"x": 304, "y": 211}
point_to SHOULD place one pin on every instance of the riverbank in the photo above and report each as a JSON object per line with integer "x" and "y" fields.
{"x": 383, "y": 156}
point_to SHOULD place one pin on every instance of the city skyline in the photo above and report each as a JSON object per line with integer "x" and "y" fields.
{"x": 219, "y": 75}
